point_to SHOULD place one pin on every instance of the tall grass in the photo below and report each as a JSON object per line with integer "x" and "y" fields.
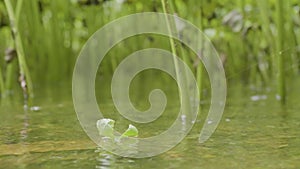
{"x": 168, "y": 7}
{"x": 25, "y": 78}
{"x": 170, "y": 23}
{"x": 264, "y": 19}
{"x": 51, "y": 33}
{"x": 199, "y": 66}
{"x": 280, "y": 47}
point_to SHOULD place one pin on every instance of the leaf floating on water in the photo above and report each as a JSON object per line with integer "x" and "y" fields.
{"x": 106, "y": 127}
{"x": 132, "y": 131}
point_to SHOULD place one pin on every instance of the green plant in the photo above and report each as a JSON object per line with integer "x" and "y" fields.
{"x": 48, "y": 35}
{"x": 280, "y": 47}
{"x": 106, "y": 129}
{"x": 25, "y": 78}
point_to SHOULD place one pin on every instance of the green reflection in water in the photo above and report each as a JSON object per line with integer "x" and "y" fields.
{"x": 252, "y": 134}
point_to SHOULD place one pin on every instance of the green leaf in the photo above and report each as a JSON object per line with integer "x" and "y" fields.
{"x": 132, "y": 131}
{"x": 106, "y": 127}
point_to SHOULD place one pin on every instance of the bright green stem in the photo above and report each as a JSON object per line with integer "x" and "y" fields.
{"x": 170, "y": 25}
{"x": 280, "y": 46}
{"x": 172, "y": 43}
{"x": 18, "y": 43}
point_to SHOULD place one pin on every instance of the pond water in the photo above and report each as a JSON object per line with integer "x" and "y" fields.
{"x": 254, "y": 132}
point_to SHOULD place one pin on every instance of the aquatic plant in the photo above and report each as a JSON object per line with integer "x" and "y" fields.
{"x": 25, "y": 79}
{"x": 106, "y": 129}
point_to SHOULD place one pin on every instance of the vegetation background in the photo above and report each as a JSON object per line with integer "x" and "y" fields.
{"x": 258, "y": 40}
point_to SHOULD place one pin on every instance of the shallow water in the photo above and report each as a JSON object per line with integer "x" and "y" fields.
{"x": 252, "y": 134}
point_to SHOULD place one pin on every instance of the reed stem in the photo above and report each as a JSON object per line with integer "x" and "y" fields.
{"x": 171, "y": 40}
{"x": 24, "y": 71}
{"x": 180, "y": 77}
{"x": 2, "y": 89}
{"x": 280, "y": 45}
{"x": 172, "y": 43}
{"x": 266, "y": 29}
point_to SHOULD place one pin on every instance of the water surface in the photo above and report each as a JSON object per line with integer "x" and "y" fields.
{"x": 254, "y": 133}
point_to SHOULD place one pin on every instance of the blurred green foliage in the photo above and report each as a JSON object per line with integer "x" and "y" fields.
{"x": 244, "y": 33}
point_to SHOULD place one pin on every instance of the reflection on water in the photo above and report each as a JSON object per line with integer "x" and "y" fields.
{"x": 252, "y": 134}
{"x": 107, "y": 160}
